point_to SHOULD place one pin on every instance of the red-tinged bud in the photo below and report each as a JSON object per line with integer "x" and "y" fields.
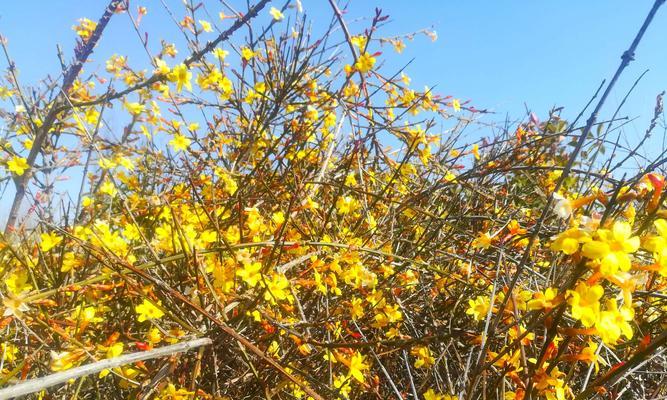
{"x": 294, "y": 246}
{"x": 355, "y": 335}
{"x": 520, "y": 394}
{"x": 5, "y": 321}
{"x": 616, "y": 366}
{"x": 657, "y": 180}
{"x": 113, "y": 338}
{"x": 25, "y": 370}
{"x": 268, "y": 328}
{"x": 552, "y": 350}
{"x": 601, "y": 390}
{"x": 643, "y": 344}
{"x": 143, "y": 346}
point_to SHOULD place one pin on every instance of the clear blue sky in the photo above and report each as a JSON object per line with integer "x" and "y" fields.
{"x": 497, "y": 54}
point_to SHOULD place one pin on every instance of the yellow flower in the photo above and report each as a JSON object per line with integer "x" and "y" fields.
{"x": 589, "y": 356}
{"x": 247, "y": 54}
{"x": 5, "y": 93}
{"x": 14, "y": 306}
{"x": 432, "y": 395}
{"x": 17, "y": 165}
{"x": 483, "y": 241}
{"x": 346, "y": 204}
{"x": 85, "y": 28}
{"x": 388, "y": 315}
{"x": 70, "y": 261}
{"x": 182, "y": 76}
{"x": 658, "y": 246}
{"x": 585, "y": 303}
{"x": 568, "y": 242}
{"x": 9, "y": 352}
{"x": 543, "y": 300}
{"x": 65, "y": 360}
{"x": 205, "y": 25}
{"x": 108, "y": 188}
{"x": 105, "y": 163}
{"x": 126, "y": 163}
{"x": 364, "y": 63}
{"x": 276, "y": 14}
{"x": 134, "y": 108}
{"x": 250, "y": 273}
{"x": 356, "y": 308}
{"x": 278, "y": 218}
{"x": 456, "y": 105}
{"x": 424, "y": 357}
{"x": 85, "y": 315}
{"x": 342, "y": 385}
{"x": 517, "y": 331}
{"x": 220, "y": 54}
{"x": 179, "y": 142}
{"x": 147, "y": 311}
{"x": 113, "y": 351}
{"x": 49, "y": 241}
{"x": 399, "y": 46}
{"x": 655, "y": 244}
{"x": 18, "y": 281}
{"x": 612, "y": 248}
{"x": 614, "y": 322}
{"x": 230, "y": 185}
{"x": 171, "y": 393}
{"x": 357, "y": 367}
{"x": 162, "y": 67}
{"x": 277, "y": 288}
{"x": 359, "y": 41}
{"x": 475, "y": 151}
{"x": 479, "y": 307}
{"x": 154, "y": 336}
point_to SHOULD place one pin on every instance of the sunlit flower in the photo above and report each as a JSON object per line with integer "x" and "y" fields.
{"x": 205, "y": 26}
{"x": 182, "y": 76}
{"x": 148, "y": 311}
{"x": 49, "y": 240}
{"x": 585, "y": 303}
{"x": 357, "y": 367}
{"x": 179, "y": 142}
{"x": 614, "y": 322}
{"x": 479, "y": 307}
{"x": 612, "y": 248}
{"x": 17, "y": 165}
{"x": 276, "y": 14}
{"x": 365, "y": 63}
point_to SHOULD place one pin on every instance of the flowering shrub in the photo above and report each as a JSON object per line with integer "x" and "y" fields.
{"x": 332, "y": 229}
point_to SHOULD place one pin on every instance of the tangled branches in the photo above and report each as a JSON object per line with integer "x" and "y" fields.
{"x": 327, "y": 227}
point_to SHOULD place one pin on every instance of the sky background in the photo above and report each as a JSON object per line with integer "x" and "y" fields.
{"x": 500, "y": 55}
{"x": 503, "y": 56}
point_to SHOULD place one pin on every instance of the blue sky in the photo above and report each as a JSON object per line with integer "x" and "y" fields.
{"x": 500, "y": 55}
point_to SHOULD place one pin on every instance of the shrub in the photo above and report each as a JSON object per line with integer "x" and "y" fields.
{"x": 331, "y": 229}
